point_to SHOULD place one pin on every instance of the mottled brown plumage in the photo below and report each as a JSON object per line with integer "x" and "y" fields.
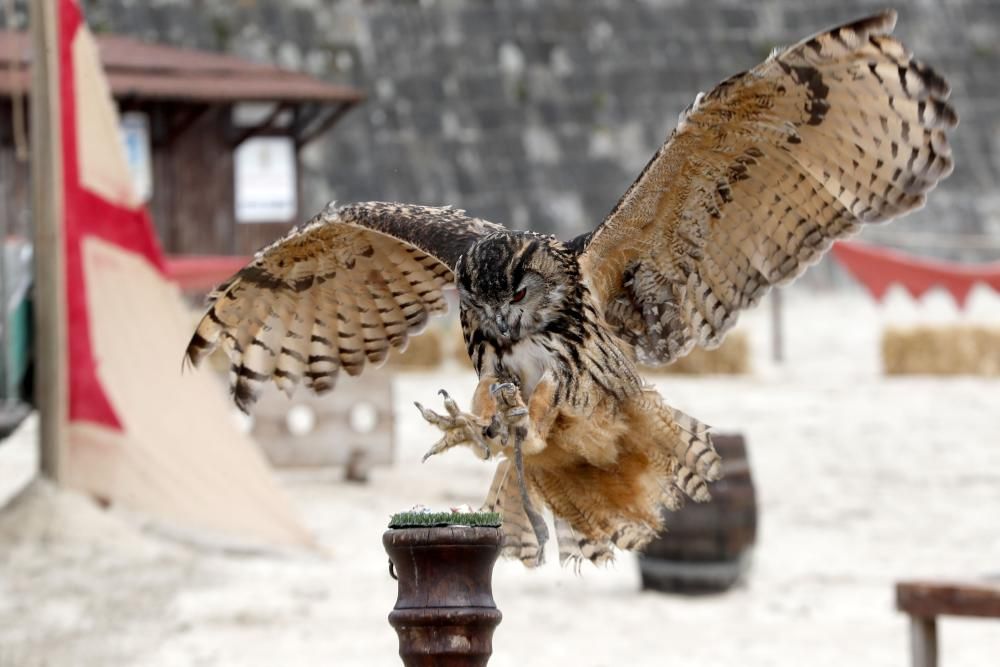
{"x": 338, "y": 292}
{"x": 761, "y": 175}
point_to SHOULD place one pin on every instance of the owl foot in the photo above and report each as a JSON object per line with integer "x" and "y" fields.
{"x": 511, "y": 412}
{"x": 460, "y": 428}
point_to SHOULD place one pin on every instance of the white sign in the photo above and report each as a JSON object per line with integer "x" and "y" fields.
{"x": 266, "y": 183}
{"x": 138, "y": 154}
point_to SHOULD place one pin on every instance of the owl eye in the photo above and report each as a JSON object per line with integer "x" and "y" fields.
{"x": 519, "y": 294}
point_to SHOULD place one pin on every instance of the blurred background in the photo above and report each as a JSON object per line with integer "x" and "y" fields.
{"x": 540, "y": 114}
{"x": 866, "y": 396}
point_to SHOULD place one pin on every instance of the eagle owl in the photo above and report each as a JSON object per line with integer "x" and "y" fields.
{"x": 760, "y": 176}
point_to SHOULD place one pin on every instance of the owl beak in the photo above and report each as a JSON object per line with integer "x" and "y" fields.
{"x": 502, "y": 324}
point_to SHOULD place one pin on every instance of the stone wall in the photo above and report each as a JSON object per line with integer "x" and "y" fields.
{"x": 539, "y": 113}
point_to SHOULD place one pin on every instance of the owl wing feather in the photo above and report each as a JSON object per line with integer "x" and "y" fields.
{"x": 761, "y": 175}
{"x": 339, "y": 292}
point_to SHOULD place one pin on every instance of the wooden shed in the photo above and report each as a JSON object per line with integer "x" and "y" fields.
{"x": 192, "y": 113}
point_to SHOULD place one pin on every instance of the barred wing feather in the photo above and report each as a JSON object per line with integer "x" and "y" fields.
{"x": 760, "y": 177}
{"x": 334, "y": 295}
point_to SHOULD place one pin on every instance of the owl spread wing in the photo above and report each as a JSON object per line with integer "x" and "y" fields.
{"x": 760, "y": 177}
{"x": 336, "y": 293}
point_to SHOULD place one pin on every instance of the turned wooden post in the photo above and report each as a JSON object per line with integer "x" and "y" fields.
{"x": 445, "y": 614}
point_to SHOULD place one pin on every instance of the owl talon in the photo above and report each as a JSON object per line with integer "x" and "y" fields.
{"x": 511, "y": 410}
{"x": 511, "y": 413}
{"x": 502, "y": 388}
{"x": 460, "y": 435}
{"x": 449, "y": 440}
{"x": 449, "y": 404}
{"x": 485, "y": 451}
{"x": 436, "y": 449}
{"x": 459, "y": 429}
{"x": 498, "y": 430}
{"x": 432, "y": 417}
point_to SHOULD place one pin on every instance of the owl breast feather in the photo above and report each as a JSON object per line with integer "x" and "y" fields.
{"x": 528, "y": 360}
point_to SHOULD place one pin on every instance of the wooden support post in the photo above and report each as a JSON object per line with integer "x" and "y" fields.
{"x": 923, "y": 641}
{"x": 924, "y": 601}
{"x": 8, "y": 390}
{"x": 777, "y": 335}
{"x": 304, "y": 136}
{"x": 47, "y": 207}
{"x": 445, "y": 614}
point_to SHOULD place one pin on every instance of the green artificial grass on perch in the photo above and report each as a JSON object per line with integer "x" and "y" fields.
{"x": 423, "y": 519}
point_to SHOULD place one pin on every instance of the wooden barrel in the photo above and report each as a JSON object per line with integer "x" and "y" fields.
{"x": 707, "y": 546}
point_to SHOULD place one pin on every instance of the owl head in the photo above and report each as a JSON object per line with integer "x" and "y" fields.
{"x": 515, "y": 284}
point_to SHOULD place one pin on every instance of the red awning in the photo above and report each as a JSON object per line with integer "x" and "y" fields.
{"x": 878, "y": 268}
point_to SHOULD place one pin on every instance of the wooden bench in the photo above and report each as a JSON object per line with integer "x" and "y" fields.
{"x": 924, "y": 601}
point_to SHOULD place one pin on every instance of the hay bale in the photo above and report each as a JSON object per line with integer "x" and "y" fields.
{"x": 730, "y": 358}
{"x": 942, "y": 350}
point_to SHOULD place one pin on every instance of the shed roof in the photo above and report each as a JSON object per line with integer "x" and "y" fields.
{"x": 155, "y": 71}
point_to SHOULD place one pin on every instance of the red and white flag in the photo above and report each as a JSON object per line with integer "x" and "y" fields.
{"x": 138, "y": 432}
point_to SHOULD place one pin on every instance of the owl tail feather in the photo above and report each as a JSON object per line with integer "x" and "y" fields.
{"x": 687, "y": 441}
{"x": 519, "y": 540}
{"x": 575, "y": 548}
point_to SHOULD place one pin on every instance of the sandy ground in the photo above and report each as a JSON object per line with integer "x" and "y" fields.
{"x": 861, "y": 481}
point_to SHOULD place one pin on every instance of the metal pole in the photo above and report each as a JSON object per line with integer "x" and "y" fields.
{"x": 47, "y": 209}
{"x": 777, "y": 337}
{"x": 5, "y": 370}
{"x": 924, "y": 641}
